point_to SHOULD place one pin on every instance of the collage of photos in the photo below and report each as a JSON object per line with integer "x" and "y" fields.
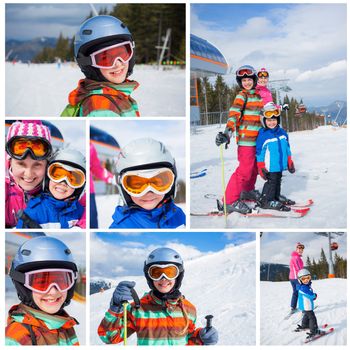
{"x": 175, "y": 174}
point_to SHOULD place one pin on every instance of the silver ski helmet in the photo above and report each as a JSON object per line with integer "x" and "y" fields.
{"x": 144, "y": 153}
{"x": 302, "y": 273}
{"x": 163, "y": 256}
{"x": 95, "y": 34}
{"x": 270, "y": 106}
{"x": 40, "y": 253}
{"x": 250, "y": 73}
{"x": 71, "y": 158}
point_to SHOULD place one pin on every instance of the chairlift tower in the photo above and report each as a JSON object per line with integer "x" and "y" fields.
{"x": 280, "y": 85}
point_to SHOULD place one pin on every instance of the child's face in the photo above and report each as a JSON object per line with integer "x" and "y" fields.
{"x": 271, "y": 122}
{"x": 263, "y": 81}
{"x": 148, "y": 201}
{"x": 305, "y": 279}
{"x": 60, "y": 190}
{"x": 50, "y": 302}
{"x": 28, "y": 173}
{"x": 164, "y": 285}
{"x": 117, "y": 74}
{"x": 247, "y": 83}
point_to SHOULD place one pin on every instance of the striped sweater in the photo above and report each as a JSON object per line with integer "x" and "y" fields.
{"x": 47, "y": 329}
{"x": 156, "y": 322}
{"x": 245, "y": 123}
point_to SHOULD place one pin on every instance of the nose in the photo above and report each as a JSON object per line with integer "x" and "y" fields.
{"x": 28, "y": 172}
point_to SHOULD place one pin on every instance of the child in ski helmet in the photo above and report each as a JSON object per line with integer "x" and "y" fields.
{"x": 44, "y": 274}
{"x": 273, "y": 140}
{"x": 306, "y": 297}
{"x": 243, "y": 119}
{"x": 105, "y": 52}
{"x": 165, "y": 316}
{"x": 146, "y": 179}
{"x": 28, "y": 147}
{"x": 58, "y": 205}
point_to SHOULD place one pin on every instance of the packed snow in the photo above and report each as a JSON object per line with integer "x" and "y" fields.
{"x": 320, "y": 160}
{"x": 75, "y": 309}
{"x": 275, "y": 305}
{"x": 41, "y": 90}
{"x": 212, "y": 283}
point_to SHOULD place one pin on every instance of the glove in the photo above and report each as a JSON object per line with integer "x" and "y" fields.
{"x": 285, "y": 107}
{"x": 263, "y": 172}
{"x": 209, "y": 336}
{"x": 291, "y": 167}
{"x": 223, "y": 137}
{"x": 122, "y": 293}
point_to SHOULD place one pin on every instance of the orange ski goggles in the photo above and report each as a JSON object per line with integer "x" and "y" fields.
{"x": 169, "y": 271}
{"x": 272, "y": 113}
{"x": 263, "y": 74}
{"x": 20, "y": 147}
{"x": 138, "y": 182}
{"x": 306, "y": 278}
{"x": 58, "y": 172}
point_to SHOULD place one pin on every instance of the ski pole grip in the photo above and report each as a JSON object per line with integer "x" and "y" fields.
{"x": 136, "y": 298}
{"x": 209, "y": 319}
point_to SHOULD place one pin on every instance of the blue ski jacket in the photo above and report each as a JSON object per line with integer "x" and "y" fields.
{"x": 49, "y": 212}
{"x": 306, "y": 297}
{"x": 167, "y": 216}
{"x": 272, "y": 147}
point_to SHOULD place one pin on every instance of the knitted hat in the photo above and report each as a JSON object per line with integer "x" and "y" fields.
{"x": 29, "y": 128}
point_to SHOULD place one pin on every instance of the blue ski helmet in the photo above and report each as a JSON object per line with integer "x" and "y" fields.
{"x": 40, "y": 253}
{"x": 95, "y": 34}
{"x": 163, "y": 256}
{"x": 251, "y": 73}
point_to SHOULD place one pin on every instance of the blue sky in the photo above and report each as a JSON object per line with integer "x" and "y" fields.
{"x": 305, "y": 43}
{"x": 124, "y": 253}
{"x": 277, "y": 246}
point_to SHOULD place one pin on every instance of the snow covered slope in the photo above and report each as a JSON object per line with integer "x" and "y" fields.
{"x": 41, "y": 90}
{"x": 221, "y": 284}
{"x": 320, "y": 161}
{"x": 331, "y": 309}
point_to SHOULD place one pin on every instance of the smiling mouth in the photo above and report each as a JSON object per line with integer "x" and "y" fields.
{"x": 51, "y": 300}
{"x": 29, "y": 181}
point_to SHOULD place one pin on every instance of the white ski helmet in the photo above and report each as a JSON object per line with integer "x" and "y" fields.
{"x": 302, "y": 273}
{"x": 270, "y": 106}
{"x": 144, "y": 153}
{"x": 72, "y": 158}
{"x": 40, "y": 253}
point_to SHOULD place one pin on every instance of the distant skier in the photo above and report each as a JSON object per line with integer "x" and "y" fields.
{"x": 105, "y": 52}
{"x": 146, "y": 180}
{"x": 295, "y": 265}
{"x": 306, "y": 297}
{"x": 273, "y": 156}
{"x": 165, "y": 316}
{"x": 244, "y": 117}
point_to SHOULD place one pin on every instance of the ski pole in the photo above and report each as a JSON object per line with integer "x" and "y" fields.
{"x": 223, "y": 180}
{"x": 209, "y": 319}
{"x": 125, "y": 314}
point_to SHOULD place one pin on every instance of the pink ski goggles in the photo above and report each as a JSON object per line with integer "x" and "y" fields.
{"x": 41, "y": 281}
{"x": 107, "y": 57}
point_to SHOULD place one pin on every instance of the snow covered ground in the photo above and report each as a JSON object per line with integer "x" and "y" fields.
{"x": 213, "y": 283}
{"x": 331, "y": 309}
{"x": 320, "y": 160}
{"x": 41, "y": 90}
{"x": 74, "y": 309}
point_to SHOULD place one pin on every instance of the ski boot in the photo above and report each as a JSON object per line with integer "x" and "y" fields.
{"x": 315, "y": 332}
{"x": 284, "y": 200}
{"x": 300, "y": 328}
{"x": 238, "y": 206}
{"x": 253, "y": 195}
{"x": 274, "y": 205}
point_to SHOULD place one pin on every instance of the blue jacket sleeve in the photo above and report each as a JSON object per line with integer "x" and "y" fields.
{"x": 260, "y": 149}
{"x": 307, "y": 292}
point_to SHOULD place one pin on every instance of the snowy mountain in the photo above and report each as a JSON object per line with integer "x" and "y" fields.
{"x": 333, "y": 109}
{"x": 275, "y": 305}
{"x": 320, "y": 160}
{"x": 213, "y": 284}
{"x": 26, "y": 50}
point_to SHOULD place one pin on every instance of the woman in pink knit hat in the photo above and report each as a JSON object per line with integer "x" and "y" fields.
{"x": 28, "y": 147}
{"x": 295, "y": 265}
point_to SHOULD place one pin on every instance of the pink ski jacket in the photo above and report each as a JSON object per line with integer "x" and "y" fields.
{"x": 295, "y": 264}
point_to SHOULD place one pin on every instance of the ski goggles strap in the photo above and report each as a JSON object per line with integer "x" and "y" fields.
{"x": 37, "y": 148}
{"x": 41, "y": 281}
{"x": 169, "y": 271}
{"x": 244, "y": 71}
{"x": 58, "y": 172}
{"x": 272, "y": 113}
{"x": 107, "y": 57}
{"x": 137, "y": 183}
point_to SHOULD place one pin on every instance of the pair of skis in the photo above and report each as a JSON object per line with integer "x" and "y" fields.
{"x": 324, "y": 330}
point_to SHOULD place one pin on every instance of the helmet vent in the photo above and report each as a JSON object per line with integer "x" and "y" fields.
{"x": 68, "y": 252}
{"x": 26, "y": 252}
{"x": 87, "y": 31}
{"x": 151, "y": 256}
{"x": 123, "y": 25}
{"x": 176, "y": 256}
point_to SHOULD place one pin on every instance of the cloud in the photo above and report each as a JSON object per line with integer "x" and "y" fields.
{"x": 333, "y": 70}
